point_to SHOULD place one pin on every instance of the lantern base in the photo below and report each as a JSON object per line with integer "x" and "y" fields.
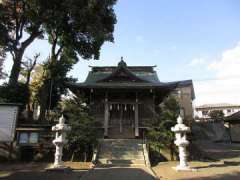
{"x": 61, "y": 168}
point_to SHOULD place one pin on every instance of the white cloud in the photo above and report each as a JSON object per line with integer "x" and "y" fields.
{"x": 226, "y": 86}
{"x": 229, "y": 63}
{"x": 197, "y": 61}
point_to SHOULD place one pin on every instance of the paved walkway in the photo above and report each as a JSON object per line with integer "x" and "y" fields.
{"x": 37, "y": 175}
{"x": 119, "y": 173}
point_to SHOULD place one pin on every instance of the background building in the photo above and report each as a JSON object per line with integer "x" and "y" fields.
{"x": 202, "y": 112}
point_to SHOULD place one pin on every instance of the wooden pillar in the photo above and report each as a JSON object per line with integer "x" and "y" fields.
{"x": 136, "y": 117}
{"x": 106, "y": 115}
{"x": 121, "y": 118}
{"x": 154, "y": 101}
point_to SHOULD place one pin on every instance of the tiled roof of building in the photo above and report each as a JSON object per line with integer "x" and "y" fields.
{"x": 95, "y": 76}
{"x": 145, "y": 76}
{"x": 234, "y": 118}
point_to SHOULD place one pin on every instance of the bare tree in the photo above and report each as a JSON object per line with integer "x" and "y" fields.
{"x": 28, "y": 66}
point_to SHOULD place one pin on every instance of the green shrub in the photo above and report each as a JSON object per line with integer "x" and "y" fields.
{"x": 14, "y": 94}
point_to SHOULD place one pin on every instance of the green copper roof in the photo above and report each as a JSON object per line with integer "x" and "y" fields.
{"x": 94, "y": 77}
{"x": 137, "y": 77}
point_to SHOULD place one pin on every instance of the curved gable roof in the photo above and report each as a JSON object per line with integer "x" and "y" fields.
{"x": 144, "y": 76}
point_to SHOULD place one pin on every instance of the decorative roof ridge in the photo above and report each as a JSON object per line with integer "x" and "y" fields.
{"x": 122, "y": 65}
{"x": 117, "y": 66}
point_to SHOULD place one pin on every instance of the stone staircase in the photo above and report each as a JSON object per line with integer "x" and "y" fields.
{"x": 126, "y": 152}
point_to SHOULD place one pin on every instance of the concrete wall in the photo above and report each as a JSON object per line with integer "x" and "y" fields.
{"x": 215, "y": 131}
{"x": 235, "y": 132}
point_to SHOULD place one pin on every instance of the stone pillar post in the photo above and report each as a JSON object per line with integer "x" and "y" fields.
{"x": 136, "y": 119}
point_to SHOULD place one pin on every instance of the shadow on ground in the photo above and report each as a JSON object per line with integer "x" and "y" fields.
{"x": 232, "y": 176}
{"x": 36, "y": 175}
{"x": 118, "y": 174}
{"x": 225, "y": 164}
{"x": 220, "y": 151}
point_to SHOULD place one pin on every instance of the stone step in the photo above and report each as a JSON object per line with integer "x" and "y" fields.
{"x": 121, "y": 161}
{"x": 128, "y": 146}
{"x": 110, "y": 154}
{"x": 122, "y": 145}
{"x": 121, "y": 151}
{"x": 121, "y": 157}
{"x": 121, "y": 141}
{"x": 121, "y": 148}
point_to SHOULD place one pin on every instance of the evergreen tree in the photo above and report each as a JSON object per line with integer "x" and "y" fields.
{"x": 82, "y": 136}
{"x": 160, "y": 135}
{"x": 216, "y": 115}
{"x": 16, "y": 18}
{"x": 80, "y": 26}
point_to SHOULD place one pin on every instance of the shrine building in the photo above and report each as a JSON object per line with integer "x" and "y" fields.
{"x": 123, "y": 98}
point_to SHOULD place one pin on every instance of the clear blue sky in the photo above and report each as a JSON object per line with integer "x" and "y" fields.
{"x": 171, "y": 33}
{"x": 181, "y": 37}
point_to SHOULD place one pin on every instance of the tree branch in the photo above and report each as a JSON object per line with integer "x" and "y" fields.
{"x": 30, "y": 39}
{"x": 13, "y": 55}
{"x": 22, "y": 23}
{"x": 16, "y": 20}
{"x": 59, "y": 50}
{"x": 22, "y": 20}
{"x": 54, "y": 43}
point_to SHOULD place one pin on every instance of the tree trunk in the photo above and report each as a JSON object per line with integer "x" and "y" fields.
{"x": 28, "y": 78}
{"x": 43, "y": 101}
{"x": 73, "y": 155}
{"x": 42, "y": 114}
{"x": 29, "y": 111}
{"x": 171, "y": 151}
{"x": 85, "y": 156}
{"x": 13, "y": 79}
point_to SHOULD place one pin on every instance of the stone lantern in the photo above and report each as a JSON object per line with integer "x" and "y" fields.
{"x": 181, "y": 141}
{"x": 60, "y": 140}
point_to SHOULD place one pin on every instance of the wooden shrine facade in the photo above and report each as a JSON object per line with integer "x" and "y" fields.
{"x": 123, "y": 98}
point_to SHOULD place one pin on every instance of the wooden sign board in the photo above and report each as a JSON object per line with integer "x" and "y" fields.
{"x": 8, "y": 117}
